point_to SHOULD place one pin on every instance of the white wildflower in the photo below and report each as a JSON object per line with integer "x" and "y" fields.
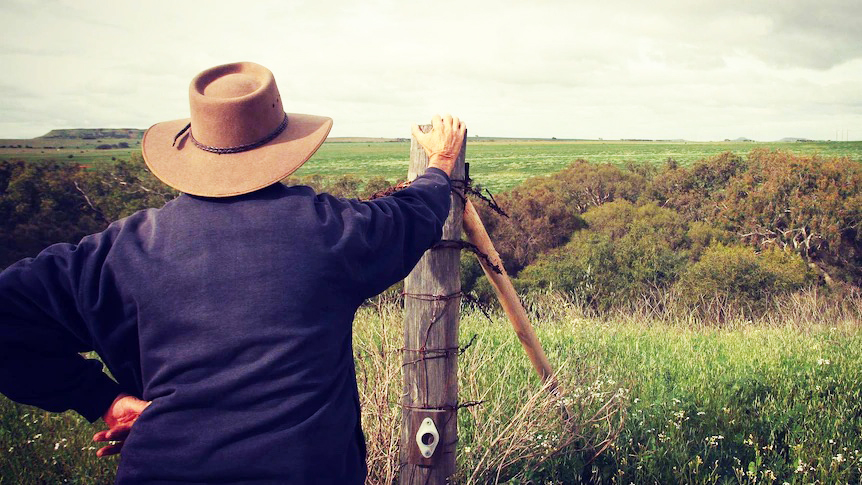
{"x": 713, "y": 440}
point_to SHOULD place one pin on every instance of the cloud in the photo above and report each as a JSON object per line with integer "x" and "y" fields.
{"x": 665, "y": 69}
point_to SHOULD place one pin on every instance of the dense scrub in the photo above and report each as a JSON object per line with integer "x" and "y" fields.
{"x": 730, "y": 228}
{"x": 48, "y": 202}
{"x": 42, "y": 203}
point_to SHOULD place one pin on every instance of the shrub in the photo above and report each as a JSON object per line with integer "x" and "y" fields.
{"x": 621, "y": 218}
{"x": 124, "y": 188}
{"x": 39, "y": 206}
{"x": 586, "y": 185}
{"x": 738, "y": 275}
{"x": 349, "y": 186}
{"x": 545, "y": 211}
{"x": 691, "y": 190}
{"x": 586, "y": 267}
{"x": 627, "y": 252}
{"x": 808, "y": 205}
{"x": 539, "y": 220}
{"x": 788, "y": 270}
{"x": 701, "y": 235}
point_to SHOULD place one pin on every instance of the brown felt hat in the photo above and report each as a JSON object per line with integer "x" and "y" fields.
{"x": 238, "y": 138}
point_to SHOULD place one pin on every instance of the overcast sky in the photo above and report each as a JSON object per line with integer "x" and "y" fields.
{"x": 693, "y": 69}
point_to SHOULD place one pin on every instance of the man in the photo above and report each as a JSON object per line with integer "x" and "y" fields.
{"x": 224, "y": 316}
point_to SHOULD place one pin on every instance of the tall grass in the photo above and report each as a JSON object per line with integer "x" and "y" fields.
{"x": 768, "y": 400}
{"x": 516, "y": 428}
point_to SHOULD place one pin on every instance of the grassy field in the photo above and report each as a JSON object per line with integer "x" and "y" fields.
{"x": 497, "y": 165}
{"x": 751, "y": 402}
{"x": 503, "y": 165}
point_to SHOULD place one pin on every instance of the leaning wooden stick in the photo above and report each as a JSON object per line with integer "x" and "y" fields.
{"x": 477, "y": 235}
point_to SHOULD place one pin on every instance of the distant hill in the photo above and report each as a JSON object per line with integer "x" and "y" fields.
{"x": 94, "y": 133}
{"x": 793, "y": 139}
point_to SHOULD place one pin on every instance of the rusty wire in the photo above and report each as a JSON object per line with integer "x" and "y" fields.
{"x": 461, "y": 188}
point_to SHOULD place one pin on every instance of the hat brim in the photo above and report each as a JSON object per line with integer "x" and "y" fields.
{"x": 192, "y": 170}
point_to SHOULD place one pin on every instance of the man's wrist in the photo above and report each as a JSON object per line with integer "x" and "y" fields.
{"x": 443, "y": 163}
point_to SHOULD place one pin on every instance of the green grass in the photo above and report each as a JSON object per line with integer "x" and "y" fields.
{"x": 497, "y": 165}
{"x": 502, "y": 165}
{"x": 749, "y": 404}
{"x": 745, "y": 403}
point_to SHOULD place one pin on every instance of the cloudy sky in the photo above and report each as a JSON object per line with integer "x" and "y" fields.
{"x": 693, "y": 69}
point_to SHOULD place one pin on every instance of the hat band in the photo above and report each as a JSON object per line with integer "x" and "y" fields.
{"x": 234, "y": 149}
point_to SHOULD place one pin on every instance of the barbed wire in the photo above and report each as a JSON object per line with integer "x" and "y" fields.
{"x": 461, "y": 188}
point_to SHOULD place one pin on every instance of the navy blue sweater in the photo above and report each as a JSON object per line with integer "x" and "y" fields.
{"x": 233, "y": 316}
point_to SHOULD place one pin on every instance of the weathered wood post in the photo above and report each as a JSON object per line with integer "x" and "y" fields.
{"x": 429, "y": 432}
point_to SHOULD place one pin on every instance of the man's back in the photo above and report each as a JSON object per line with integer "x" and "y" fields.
{"x": 234, "y": 315}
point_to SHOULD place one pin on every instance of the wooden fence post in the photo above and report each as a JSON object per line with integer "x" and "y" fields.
{"x": 430, "y": 356}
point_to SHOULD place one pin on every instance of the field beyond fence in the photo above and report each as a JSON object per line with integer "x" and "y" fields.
{"x": 497, "y": 165}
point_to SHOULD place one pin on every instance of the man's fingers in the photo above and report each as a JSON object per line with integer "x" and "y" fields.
{"x": 456, "y": 123}
{"x": 437, "y": 122}
{"x": 418, "y": 133}
{"x": 109, "y": 450}
{"x": 118, "y": 433}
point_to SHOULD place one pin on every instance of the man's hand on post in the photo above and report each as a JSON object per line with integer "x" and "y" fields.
{"x": 443, "y": 142}
{"x": 120, "y": 417}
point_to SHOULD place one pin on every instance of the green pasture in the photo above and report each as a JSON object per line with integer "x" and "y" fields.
{"x": 497, "y": 165}
{"x": 505, "y": 164}
{"x": 77, "y": 151}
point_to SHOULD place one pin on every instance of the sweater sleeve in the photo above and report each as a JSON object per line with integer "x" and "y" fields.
{"x": 42, "y": 332}
{"x": 383, "y": 239}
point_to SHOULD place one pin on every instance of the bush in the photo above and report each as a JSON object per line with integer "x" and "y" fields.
{"x": 39, "y": 206}
{"x": 586, "y": 267}
{"x": 690, "y": 190}
{"x": 807, "y": 205}
{"x": 650, "y": 242}
{"x": 701, "y": 235}
{"x": 539, "y": 219}
{"x": 545, "y": 211}
{"x": 738, "y": 275}
{"x": 627, "y": 252}
{"x": 348, "y": 186}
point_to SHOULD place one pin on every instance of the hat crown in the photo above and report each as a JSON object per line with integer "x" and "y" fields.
{"x": 234, "y": 105}
{"x": 234, "y": 85}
